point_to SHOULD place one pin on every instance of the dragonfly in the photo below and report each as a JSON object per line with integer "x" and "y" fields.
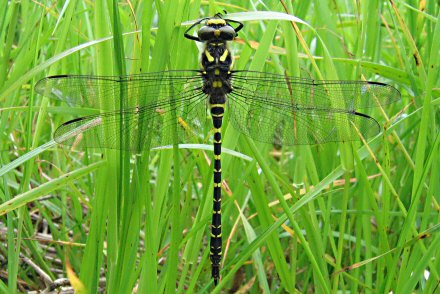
{"x": 175, "y": 106}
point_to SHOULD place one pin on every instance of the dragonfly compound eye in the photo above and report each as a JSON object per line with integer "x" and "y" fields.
{"x": 227, "y": 33}
{"x": 216, "y": 32}
{"x": 206, "y": 33}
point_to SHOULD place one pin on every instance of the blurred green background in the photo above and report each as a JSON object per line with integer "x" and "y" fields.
{"x": 361, "y": 218}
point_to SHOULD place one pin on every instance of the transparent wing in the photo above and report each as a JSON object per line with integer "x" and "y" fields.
{"x": 268, "y": 107}
{"x": 291, "y": 111}
{"x": 157, "y": 103}
{"x": 100, "y": 91}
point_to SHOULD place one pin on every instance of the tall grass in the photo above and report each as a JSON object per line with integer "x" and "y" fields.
{"x": 347, "y": 217}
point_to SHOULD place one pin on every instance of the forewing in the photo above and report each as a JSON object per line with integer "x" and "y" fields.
{"x": 100, "y": 91}
{"x": 302, "y": 92}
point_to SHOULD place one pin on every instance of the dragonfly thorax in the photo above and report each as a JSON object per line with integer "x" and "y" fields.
{"x": 216, "y": 64}
{"x": 216, "y": 60}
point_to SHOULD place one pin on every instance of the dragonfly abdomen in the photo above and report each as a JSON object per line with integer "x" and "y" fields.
{"x": 217, "y": 112}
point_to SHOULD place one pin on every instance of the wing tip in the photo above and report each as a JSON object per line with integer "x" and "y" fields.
{"x": 396, "y": 96}
{"x": 57, "y": 77}
{"x": 41, "y": 84}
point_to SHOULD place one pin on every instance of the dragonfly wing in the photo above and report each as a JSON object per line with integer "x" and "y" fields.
{"x": 343, "y": 95}
{"x": 157, "y": 104}
{"x": 97, "y": 91}
{"x": 291, "y": 111}
{"x": 290, "y": 125}
{"x": 135, "y": 129}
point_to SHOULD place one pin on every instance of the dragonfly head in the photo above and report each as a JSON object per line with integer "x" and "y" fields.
{"x": 215, "y": 29}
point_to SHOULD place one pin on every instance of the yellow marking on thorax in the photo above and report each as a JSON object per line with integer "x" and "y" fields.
{"x": 224, "y": 55}
{"x": 217, "y": 33}
{"x": 209, "y": 56}
{"x": 217, "y": 84}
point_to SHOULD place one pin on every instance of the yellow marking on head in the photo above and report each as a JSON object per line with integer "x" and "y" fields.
{"x": 216, "y": 21}
{"x": 217, "y": 72}
{"x": 224, "y": 55}
{"x": 209, "y": 56}
{"x": 218, "y": 157}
